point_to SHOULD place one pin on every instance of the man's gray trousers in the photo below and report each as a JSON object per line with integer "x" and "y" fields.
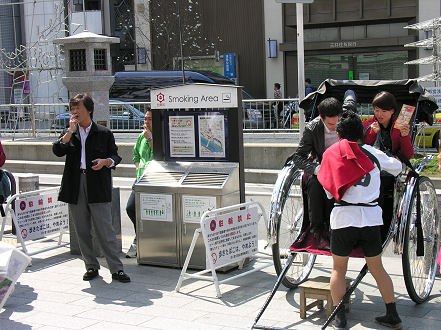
{"x": 84, "y": 215}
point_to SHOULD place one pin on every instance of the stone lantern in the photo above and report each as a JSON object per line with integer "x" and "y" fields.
{"x": 88, "y": 69}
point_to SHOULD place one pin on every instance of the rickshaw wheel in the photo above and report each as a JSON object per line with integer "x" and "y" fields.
{"x": 288, "y": 229}
{"x": 419, "y": 272}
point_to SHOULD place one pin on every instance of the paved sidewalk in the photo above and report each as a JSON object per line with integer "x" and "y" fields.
{"x": 52, "y": 295}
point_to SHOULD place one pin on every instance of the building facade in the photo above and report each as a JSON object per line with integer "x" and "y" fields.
{"x": 346, "y": 39}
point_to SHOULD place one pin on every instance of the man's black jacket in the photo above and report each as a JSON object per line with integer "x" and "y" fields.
{"x": 100, "y": 143}
{"x": 311, "y": 147}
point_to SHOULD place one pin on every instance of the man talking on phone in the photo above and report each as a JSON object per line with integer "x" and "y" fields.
{"x": 86, "y": 185}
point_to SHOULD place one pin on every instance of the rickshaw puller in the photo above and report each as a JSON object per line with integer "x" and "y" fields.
{"x": 351, "y": 174}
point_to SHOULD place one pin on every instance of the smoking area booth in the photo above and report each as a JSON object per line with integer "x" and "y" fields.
{"x": 198, "y": 166}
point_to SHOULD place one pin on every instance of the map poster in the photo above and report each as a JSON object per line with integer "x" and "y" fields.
{"x": 194, "y": 206}
{"x": 231, "y": 237}
{"x": 156, "y": 207}
{"x": 181, "y": 136}
{"x": 211, "y": 136}
{"x": 40, "y": 216}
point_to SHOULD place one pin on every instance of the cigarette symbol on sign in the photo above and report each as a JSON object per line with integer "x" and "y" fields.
{"x": 226, "y": 97}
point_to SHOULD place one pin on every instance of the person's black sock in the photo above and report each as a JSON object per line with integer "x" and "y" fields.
{"x": 391, "y": 309}
{"x": 391, "y": 319}
{"x": 340, "y": 318}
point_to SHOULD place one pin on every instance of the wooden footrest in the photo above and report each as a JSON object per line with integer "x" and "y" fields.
{"x": 319, "y": 289}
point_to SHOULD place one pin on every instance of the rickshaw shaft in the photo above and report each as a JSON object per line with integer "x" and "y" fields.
{"x": 273, "y": 292}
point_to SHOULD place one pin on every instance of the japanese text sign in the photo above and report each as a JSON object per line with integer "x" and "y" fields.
{"x": 231, "y": 237}
{"x": 40, "y": 216}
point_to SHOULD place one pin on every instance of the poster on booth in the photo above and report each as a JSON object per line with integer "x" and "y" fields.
{"x": 156, "y": 207}
{"x": 194, "y": 206}
{"x": 231, "y": 237}
{"x": 182, "y": 143}
{"x": 211, "y": 136}
{"x": 40, "y": 216}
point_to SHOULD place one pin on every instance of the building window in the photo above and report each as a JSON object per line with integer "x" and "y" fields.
{"x": 90, "y": 5}
{"x": 373, "y": 66}
{"x": 100, "y": 59}
{"x": 77, "y": 60}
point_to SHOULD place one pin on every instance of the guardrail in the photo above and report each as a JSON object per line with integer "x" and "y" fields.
{"x": 270, "y": 114}
{"x": 51, "y": 118}
{"x": 43, "y": 119}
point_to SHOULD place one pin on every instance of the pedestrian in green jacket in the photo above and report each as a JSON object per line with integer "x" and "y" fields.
{"x": 142, "y": 155}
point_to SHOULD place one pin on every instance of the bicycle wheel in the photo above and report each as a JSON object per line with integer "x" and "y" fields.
{"x": 288, "y": 229}
{"x": 419, "y": 272}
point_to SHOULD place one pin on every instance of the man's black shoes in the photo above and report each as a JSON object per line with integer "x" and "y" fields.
{"x": 121, "y": 276}
{"x": 90, "y": 274}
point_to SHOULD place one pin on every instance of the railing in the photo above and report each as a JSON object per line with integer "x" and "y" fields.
{"x": 51, "y": 118}
{"x": 282, "y": 115}
{"x": 29, "y": 119}
{"x": 270, "y": 114}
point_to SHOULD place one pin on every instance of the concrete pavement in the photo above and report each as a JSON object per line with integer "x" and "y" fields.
{"x": 52, "y": 295}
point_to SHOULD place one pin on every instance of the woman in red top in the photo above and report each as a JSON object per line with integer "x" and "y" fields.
{"x": 379, "y": 131}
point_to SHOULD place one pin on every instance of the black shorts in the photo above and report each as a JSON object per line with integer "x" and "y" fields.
{"x": 343, "y": 240}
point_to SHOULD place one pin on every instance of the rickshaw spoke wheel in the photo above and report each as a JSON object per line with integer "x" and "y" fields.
{"x": 419, "y": 271}
{"x": 288, "y": 230}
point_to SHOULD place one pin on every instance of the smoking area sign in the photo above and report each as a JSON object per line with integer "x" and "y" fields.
{"x": 194, "y": 96}
{"x": 232, "y": 236}
{"x": 40, "y": 216}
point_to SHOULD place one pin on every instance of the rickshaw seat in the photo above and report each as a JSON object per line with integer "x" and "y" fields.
{"x": 307, "y": 243}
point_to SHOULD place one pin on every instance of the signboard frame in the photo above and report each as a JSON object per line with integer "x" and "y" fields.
{"x": 206, "y": 220}
{"x": 234, "y": 124}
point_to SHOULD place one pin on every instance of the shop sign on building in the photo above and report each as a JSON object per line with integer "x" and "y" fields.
{"x": 436, "y": 92}
{"x": 230, "y": 65}
{"x": 343, "y": 44}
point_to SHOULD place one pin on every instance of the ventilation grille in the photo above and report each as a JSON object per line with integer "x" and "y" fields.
{"x": 162, "y": 177}
{"x": 206, "y": 179}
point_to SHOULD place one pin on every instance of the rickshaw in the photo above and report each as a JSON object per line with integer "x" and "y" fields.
{"x": 414, "y": 227}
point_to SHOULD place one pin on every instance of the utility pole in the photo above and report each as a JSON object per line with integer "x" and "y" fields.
{"x": 300, "y": 57}
{"x": 180, "y": 40}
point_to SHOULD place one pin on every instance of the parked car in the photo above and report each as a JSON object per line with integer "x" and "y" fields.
{"x": 122, "y": 116}
{"x": 135, "y": 86}
{"x": 429, "y": 137}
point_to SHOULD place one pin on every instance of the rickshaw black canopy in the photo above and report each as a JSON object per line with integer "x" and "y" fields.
{"x": 405, "y": 91}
